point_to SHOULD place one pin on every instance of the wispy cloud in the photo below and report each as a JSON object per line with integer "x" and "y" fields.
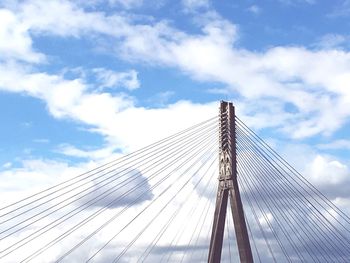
{"x": 89, "y": 154}
{"x": 333, "y": 41}
{"x": 112, "y": 79}
{"x": 254, "y": 9}
{"x": 195, "y": 5}
{"x": 335, "y": 145}
{"x": 341, "y": 9}
{"x": 128, "y": 4}
{"x": 16, "y": 42}
{"x": 294, "y": 2}
{"x": 41, "y": 140}
{"x": 7, "y": 165}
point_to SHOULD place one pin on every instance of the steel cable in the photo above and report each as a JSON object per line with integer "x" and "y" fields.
{"x": 302, "y": 179}
{"x": 265, "y": 170}
{"x": 31, "y": 239}
{"x": 171, "y": 199}
{"x": 106, "y": 164}
{"x": 80, "y": 224}
{"x": 161, "y": 233}
{"x": 274, "y": 203}
{"x": 123, "y": 172}
{"x": 157, "y": 150}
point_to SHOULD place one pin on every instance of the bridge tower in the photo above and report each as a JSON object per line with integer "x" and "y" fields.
{"x": 228, "y": 188}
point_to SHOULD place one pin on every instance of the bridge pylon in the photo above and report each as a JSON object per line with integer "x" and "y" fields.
{"x": 228, "y": 188}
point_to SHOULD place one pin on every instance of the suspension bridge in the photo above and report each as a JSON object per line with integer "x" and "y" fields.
{"x": 215, "y": 192}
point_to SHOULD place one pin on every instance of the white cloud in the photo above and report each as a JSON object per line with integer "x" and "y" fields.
{"x": 64, "y": 18}
{"x": 41, "y": 140}
{"x": 112, "y": 79}
{"x": 157, "y": 123}
{"x": 332, "y": 41}
{"x": 280, "y": 76}
{"x": 7, "y": 165}
{"x": 194, "y": 5}
{"x": 161, "y": 99}
{"x": 343, "y": 204}
{"x": 324, "y": 171}
{"x": 15, "y": 41}
{"x": 314, "y": 82}
{"x": 265, "y": 221}
{"x": 254, "y": 9}
{"x": 293, "y": 2}
{"x": 338, "y": 144}
{"x": 35, "y": 175}
{"x": 128, "y": 4}
{"x": 65, "y": 98}
{"x": 328, "y": 174}
{"x": 99, "y": 154}
{"x": 109, "y": 115}
{"x": 106, "y": 114}
{"x": 341, "y": 9}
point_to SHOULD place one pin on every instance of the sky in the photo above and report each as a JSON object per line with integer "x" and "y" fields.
{"x": 84, "y": 82}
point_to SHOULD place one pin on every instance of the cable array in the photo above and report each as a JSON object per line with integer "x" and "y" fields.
{"x": 157, "y": 205}
{"x": 293, "y": 218}
{"x": 110, "y": 200}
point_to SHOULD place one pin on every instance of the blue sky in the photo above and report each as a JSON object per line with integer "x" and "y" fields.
{"x": 82, "y": 82}
{"x": 108, "y": 59}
